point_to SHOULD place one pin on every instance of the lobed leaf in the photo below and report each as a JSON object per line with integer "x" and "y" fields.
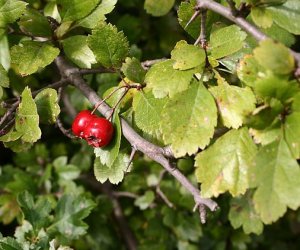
{"x": 148, "y": 110}
{"x": 277, "y": 177}
{"x": 109, "y": 154}
{"x": 242, "y": 213}
{"x": 10, "y": 11}
{"x": 287, "y": 15}
{"x": 78, "y": 51}
{"x": 274, "y": 56}
{"x": 225, "y": 165}
{"x": 187, "y": 56}
{"x": 47, "y": 105}
{"x": 73, "y": 10}
{"x": 225, "y": 41}
{"x": 109, "y": 46}
{"x": 234, "y": 103}
{"x": 98, "y": 14}
{"x": 29, "y": 56}
{"x": 164, "y": 80}
{"x": 115, "y": 173}
{"x": 158, "y": 7}
{"x": 133, "y": 70}
{"x": 188, "y": 120}
{"x": 27, "y": 119}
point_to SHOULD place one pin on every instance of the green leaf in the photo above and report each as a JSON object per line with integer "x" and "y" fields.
{"x": 248, "y": 69}
{"x": 234, "y": 103}
{"x": 109, "y": 154}
{"x": 98, "y": 14}
{"x": 27, "y": 119}
{"x": 4, "y": 80}
{"x": 242, "y": 213}
{"x": 143, "y": 202}
{"x": 185, "y": 12}
{"x": 29, "y": 56}
{"x": 69, "y": 214}
{"x": 133, "y": 70}
{"x": 194, "y": 127}
{"x": 11, "y": 136}
{"x": 164, "y": 80}
{"x": 261, "y": 17}
{"x": 78, "y": 51}
{"x": 272, "y": 87}
{"x": 281, "y": 35}
{"x": 287, "y": 15}
{"x": 277, "y": 177}
{"x": 47, "y": 105}
{"x": 225, "y": 165}
{"x": 10, "y": 11}
{"x": 18, "y": 145}
{"x": 148, "y": 111}
{"x": 9, "y": 243}
{"x": 274, "y": 56}
{"x": 292, "y": 133}
{"x": 4, "y": 50}
{"x": 187, "y": 56}
{"x": 115, "y": 173}
{"x": 158, "y": 7}
{"x": 65, "y": 171}
{"x": 226, "y": 41}
{"x": 52, "y": 11}
{"x": 34, "y": 23}
{"x": 73, "y": 10}
{"x": 9, "y": 208}
{"x": 109, "y": 46}
{"x": 37, "y": 213}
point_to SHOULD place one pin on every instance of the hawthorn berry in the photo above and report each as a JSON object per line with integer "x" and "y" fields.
{"x": 98, "y": 132}
{"x": 82, "y": 119}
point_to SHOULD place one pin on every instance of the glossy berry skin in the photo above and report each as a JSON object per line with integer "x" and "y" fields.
{"x": 82, "y": 119}
{"x": 98, "y": 132}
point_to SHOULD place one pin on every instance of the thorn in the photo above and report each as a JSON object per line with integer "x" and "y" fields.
{"x": 194, "y": 16}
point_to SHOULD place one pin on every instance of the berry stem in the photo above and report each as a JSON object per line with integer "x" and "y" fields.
{"x": 115, "y": 106}
{"x": 107, "y": 97}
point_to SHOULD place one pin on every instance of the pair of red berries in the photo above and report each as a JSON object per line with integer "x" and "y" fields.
{"x": 97, "y": 131}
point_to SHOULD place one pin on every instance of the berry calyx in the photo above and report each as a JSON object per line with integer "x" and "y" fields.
{"x": 98, "y": 132}
{"x": 82, "y": 119}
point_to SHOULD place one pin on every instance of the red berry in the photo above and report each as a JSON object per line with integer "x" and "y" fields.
{"x": 82, "y": 119}
{"x": 98, "y": 132}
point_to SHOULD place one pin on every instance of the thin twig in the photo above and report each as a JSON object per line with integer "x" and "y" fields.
{"x": 147, "y": 64}
{"x": 125, "y": 194}
{"x": 96, "y": 71}
{"x": 132, "y": 154}
{"x": 202, "y": 37}
{"x": 160, "y": 192}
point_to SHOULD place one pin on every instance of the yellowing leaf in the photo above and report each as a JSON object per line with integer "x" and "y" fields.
{"x": 234, "y": 103}
{"x": 27, "y": 119}
{"x": 187, "y": 56}
{"x": 188, "y": 120}
{"x": 274, "y": 56}
{"x": 277, "y": 177}
{"x": 164, "y": 80}
{"x": 225, "y": 165}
